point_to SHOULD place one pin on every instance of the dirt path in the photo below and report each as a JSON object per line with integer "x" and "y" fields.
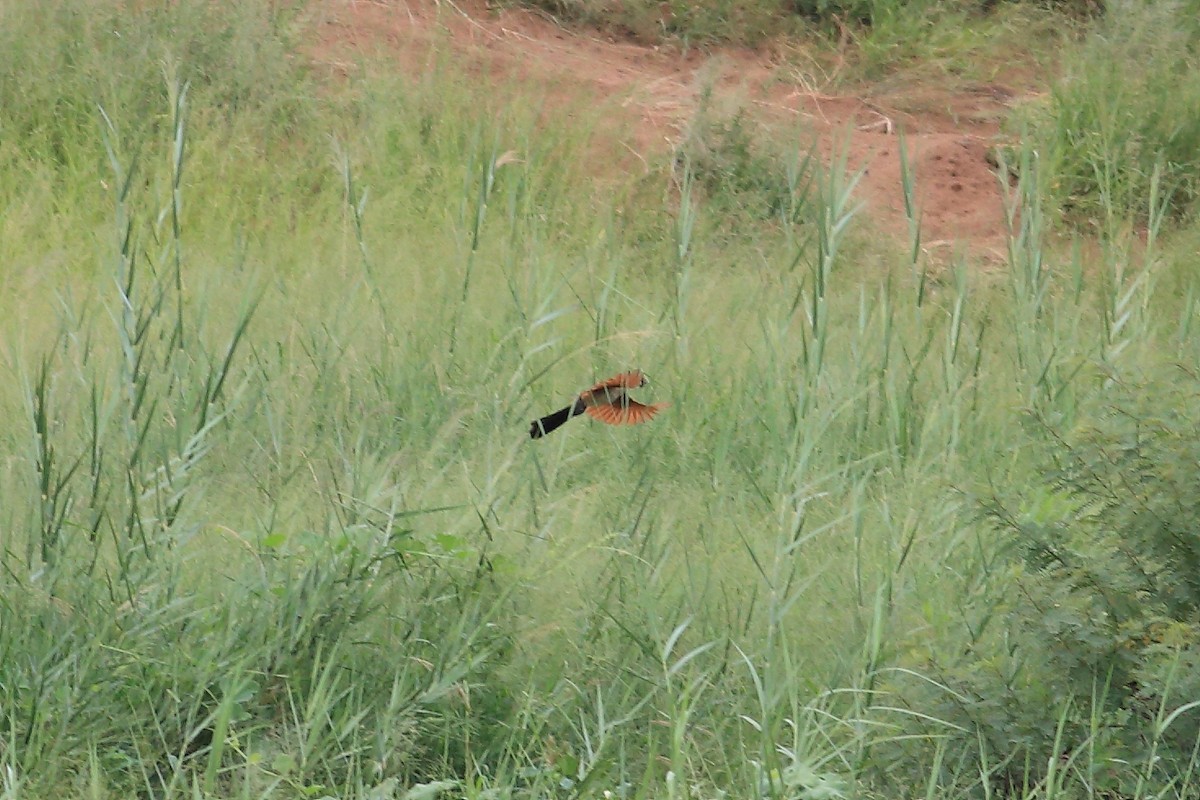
{"x": 655, "y": 92}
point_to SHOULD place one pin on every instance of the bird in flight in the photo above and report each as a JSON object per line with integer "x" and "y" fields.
{"x": 607, "y": 401}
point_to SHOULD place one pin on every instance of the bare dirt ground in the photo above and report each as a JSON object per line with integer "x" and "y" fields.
{"x": 650, "y": 94}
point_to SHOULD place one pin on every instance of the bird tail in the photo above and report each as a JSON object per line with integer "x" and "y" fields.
{"x": 552, "y": 422}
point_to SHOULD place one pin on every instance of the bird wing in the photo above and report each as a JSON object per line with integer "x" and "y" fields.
{"x": 629, "y": 412}
{"x": 605, "y": 413}
{"x": 626, "y": 380}
{"x": 612, "y": 391}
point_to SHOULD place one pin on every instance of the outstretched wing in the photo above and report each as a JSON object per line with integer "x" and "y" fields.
{"x": 612, "y": 391}
{"x": 628, "y": 412}
{"x": 626, "y": 380}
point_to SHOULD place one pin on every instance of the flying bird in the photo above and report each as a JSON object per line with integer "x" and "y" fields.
{"x": 607, "y": 401}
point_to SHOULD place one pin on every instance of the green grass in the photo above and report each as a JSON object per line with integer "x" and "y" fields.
{"x": 760, "y": 21}
{"x": 848, "y": 42}
{"x": 1114, "y": 130}
{"x": 273, "y": 526}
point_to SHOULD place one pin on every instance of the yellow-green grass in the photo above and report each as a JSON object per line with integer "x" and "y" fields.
{"x": 273, "y": 525}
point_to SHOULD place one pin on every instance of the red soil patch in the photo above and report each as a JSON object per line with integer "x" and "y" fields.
{"x": 650, "y": 94}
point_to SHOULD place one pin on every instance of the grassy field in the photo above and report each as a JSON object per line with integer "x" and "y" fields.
{"x": 273, "y": 525}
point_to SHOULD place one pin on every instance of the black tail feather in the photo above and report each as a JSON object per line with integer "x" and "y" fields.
{"x": 552, "y": 422}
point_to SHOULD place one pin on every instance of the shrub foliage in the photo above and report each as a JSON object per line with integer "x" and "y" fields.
{"x": 1086, "y": 640}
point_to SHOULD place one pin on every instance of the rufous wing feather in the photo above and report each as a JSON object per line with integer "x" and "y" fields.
{"x": 636, "y": 412}
{"x": 626, "y": 380}
{"x": 630, "y": 412}
{"x": 605, "y": 413}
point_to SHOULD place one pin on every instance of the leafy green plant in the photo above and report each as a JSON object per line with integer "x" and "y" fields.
{"x": 101, "y": 54}
{"x": 1118, "y": 119}
{"x": 739, "y": 172}
{"x": 156, "y": 661}
{"x": 1084, "y": 642}
{"x": 685, "y": 23}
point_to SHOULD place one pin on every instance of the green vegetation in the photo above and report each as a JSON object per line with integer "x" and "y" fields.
{"x": 839, "y": 42}
{"x": 1100, "y": 604}
{"x": 273, "y": 527}
{"x": 756, "y": 21}
{"x": 1120, "y": 125}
